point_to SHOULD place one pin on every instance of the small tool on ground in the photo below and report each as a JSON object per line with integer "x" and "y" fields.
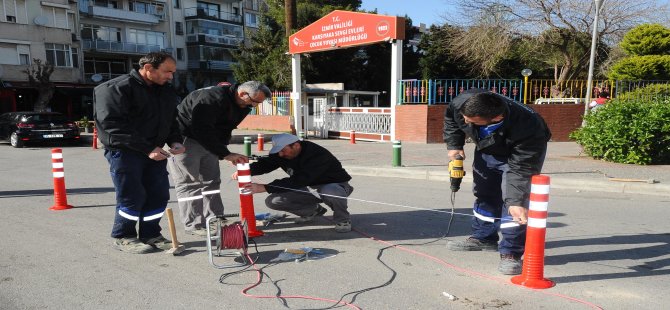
{"x": 176, "y": 247}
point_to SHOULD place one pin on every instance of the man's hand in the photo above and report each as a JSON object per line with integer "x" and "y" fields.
{"x": 234, "y": 176}
{"x": 235, "y": 158}
{"x": 255, "y": 188}
{"x": 159, "y": 154}
{"x": 176, "y": 148}
{"x": 519, "y": 214}
{"x": 451, "y": 154}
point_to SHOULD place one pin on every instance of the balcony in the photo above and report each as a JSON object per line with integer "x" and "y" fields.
{"x": 214, "y": 65}
{"x": 202, "y": 38}
{"x": 124, "y": 15}
{"x": 118, "y": 47}
{"x": 217, "y": 15}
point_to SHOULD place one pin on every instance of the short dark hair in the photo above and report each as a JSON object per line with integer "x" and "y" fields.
{"x": 487, "y": 105}
{"x": 604, "y": 94}
{"x": 155, "y": 59}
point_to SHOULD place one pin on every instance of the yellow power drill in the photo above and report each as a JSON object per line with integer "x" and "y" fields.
{"x": 456, "y": 173}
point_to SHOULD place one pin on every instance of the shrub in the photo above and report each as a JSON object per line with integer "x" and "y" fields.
{"x": 651, "y": 92}
{"x": 627, "y": 131}
{"x": 647, "y": 39}
{"x": 650, "y": 67}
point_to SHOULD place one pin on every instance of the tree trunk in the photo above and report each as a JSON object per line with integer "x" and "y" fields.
{"x": 44, "y": 94}
{"x": 291, "y": 13}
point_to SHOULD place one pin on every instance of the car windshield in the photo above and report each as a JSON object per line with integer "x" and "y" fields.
{"x": 43, "y": 118}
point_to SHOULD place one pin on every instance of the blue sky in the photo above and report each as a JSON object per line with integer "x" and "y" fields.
{"x": 421, "y": 11}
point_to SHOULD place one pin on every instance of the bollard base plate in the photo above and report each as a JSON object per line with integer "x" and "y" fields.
{"x": 255, "y": 233}
{"x": 532, "y": 283}
{"x": 57, "y": 208}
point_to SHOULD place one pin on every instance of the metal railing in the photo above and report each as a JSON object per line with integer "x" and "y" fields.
{"x": 280, "y": 104}
{"x": 442, "y": 91}
{"x": 212, "y": 13}
{"x": 369, "y": 120}
{"x": 119, "y": 47}
{"x": 209, "y": 38}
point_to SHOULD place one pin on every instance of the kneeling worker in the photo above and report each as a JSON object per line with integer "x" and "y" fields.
{"x": 308, "y": 165}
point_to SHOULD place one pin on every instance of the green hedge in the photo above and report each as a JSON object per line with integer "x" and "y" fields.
{"x": 651, "y": 92}
{"x": 650, "y": 67}
{"x": 626, "y": 131}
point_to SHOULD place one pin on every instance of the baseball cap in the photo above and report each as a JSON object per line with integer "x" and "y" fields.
{"x": 281, "y": 140}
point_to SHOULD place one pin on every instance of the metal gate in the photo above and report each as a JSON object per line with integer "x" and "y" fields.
{"x": 319, "y": 118}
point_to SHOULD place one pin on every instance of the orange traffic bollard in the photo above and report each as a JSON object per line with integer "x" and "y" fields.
{"x": 261, "y": 141}
{"x": 95, "y": 137}
{"x": 532, "y": 274}
{"x": 352, "y": 137}
{"x": 60, "y": 196}
{"x": 247, "y": 200}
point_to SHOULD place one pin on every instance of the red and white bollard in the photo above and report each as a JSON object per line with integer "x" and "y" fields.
{"x": 60, "y": 196}
{"x": 532, "y": 274}
{"x": 95, "y": 137}
{"x": 260, "y": 141}
{"x": 247, "y": 200}
{"x": 352, "y": 137}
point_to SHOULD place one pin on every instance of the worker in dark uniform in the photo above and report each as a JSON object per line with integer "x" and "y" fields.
{"x": 135, "y": 118}
{"x": 511, "y": 143}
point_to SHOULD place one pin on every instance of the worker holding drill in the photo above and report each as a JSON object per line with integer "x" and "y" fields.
{"x": 510, "y": 146}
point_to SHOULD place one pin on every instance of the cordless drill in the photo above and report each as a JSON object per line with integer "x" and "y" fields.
{"x": 456, "y": 173}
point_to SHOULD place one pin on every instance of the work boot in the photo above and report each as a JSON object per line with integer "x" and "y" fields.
{"x": 510, "y": 264}
{"x": 343, "y": 227}
{"x": 158, "y": 242}
{"x": 320, "y": 211}
{"x": 472, "y": 244}
{"x": 132, "y": 245}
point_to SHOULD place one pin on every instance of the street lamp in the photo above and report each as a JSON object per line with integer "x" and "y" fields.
{"x": 526, "y": 73}
{"x": 594, "y": 39}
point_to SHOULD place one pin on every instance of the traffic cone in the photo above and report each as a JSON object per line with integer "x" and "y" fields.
{"x": 247, "y": 199}
{"x": 261, "y": 141}
{"x": 60, "y": 195}
{"x": 532, "y": 274}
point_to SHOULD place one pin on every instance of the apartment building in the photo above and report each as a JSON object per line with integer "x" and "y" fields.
{"x": 44, "y": 30}
{"x": 92, "y": 41}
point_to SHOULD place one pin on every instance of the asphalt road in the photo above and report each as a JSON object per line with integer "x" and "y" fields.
{"x": 604, "y": 250}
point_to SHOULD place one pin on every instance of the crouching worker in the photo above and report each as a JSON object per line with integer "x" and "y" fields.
{"x": 308, "y": 165}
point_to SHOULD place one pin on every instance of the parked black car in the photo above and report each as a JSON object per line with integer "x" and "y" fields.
{"x": 24, "y": 127}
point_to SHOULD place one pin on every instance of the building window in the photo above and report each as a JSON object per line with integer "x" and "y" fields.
{"x": 251, "y": 5}
{"x": 11, "y": 19}
{"x": 75, "y": 57}
{"x": 103, "y": 33}
{"x": 180, "y": 53}
{"x": 146, "y": 7}
{"x": 208, "y": 9}
{"x": 179, "y": 28}
{"x": 24, "y": 59}
{"x": 176, "y": 4}
{"x": 251, "y": 20}
{"x": 112, "y": 4}
{"x": 146, "y": 37}
{"x": 58, "y": 54}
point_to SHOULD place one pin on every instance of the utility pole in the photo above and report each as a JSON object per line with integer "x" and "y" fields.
{"x": 594, "y": 40}
{"x": 291, "y": 15}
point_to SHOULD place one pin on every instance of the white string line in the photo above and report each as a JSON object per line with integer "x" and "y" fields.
{"x": 379, "y": 202}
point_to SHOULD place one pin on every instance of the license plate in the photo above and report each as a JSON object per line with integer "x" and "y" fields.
{"x": 56, "y": 135}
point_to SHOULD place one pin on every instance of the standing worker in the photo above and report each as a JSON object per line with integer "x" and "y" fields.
{"x": 511, "y": 143}
{"x": 206, "y": 119}
{"x": 135, "y": 117}
{"x": 308, "y": 165}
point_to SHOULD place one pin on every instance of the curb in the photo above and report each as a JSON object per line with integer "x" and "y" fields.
{"x": 587, "y": 185}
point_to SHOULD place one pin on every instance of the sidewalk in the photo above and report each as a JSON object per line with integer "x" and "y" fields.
{"x": 565, "y": 164}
